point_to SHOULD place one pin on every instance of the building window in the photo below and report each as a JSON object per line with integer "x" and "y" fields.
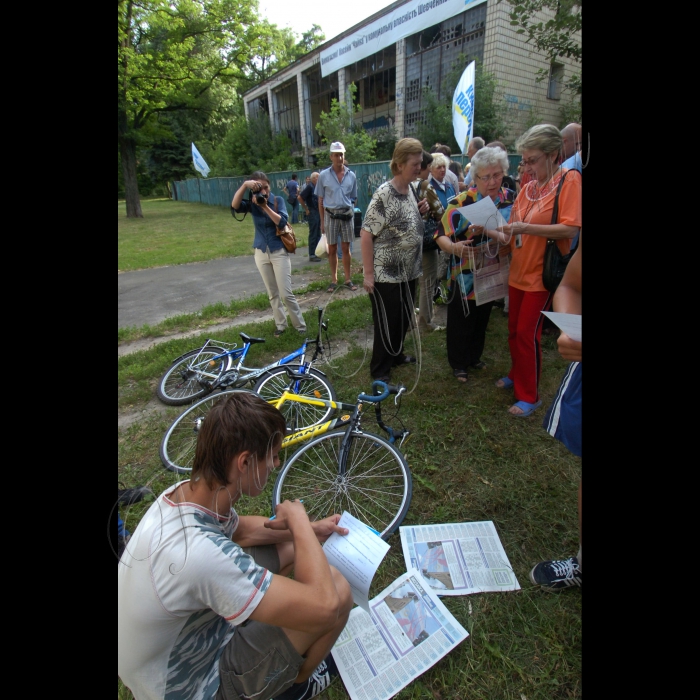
{"x": 556, "y": 77}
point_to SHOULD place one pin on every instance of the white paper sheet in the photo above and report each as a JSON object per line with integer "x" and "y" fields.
{"x": 356, "y": 555}
{"x": 459, "y": 558}
{"x": 569, "y": 323}
{"x": 407, "y": 631}
{"x": 483, "y": 213}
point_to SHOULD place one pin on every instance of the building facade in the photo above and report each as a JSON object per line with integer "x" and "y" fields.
{"x": 393, "y": 55}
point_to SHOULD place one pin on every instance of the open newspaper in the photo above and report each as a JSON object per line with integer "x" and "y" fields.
{"x": 458, "y": 558}
{"x": 407, "y": 631}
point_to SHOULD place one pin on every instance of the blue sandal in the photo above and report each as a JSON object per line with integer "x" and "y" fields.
{"x": 507, "y": 383}
{"x": 527, "y": 408}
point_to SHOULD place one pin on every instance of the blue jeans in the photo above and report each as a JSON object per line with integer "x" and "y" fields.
{"x": 295, "y": 212}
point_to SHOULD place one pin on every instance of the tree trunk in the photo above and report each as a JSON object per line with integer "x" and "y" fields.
{"x": 127, "y": 149}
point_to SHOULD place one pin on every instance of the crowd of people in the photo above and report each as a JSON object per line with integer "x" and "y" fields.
{"x": 206, "y": 605}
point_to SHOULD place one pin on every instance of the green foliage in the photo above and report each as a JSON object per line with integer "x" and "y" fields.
{"x": 489, "y": 109}
{"x": 340, "y": 125}
{"x": 556, "y": 37}
{"x": 250, "y": 145}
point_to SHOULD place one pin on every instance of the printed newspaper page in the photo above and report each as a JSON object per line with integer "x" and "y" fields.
{"x": 407, "y": 631}
{"x": 459, "y": 558}
{"x": 490, "y": 274}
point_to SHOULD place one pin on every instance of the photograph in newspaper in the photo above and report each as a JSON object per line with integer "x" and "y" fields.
{"x": 458, "y": 558}
{"x": 407, "y": 631}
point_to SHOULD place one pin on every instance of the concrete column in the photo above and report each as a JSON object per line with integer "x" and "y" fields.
{"x": 341, "y": 86}
{"x": 303, "y": 120}
{"x": 400, "y": 88}
{"x": 246, "y": 110}
{"x": 271, "y": 105}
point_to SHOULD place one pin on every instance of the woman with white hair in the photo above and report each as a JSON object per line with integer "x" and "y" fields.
{"x": 438, "y": 169}
{"x": 467, "y": 322}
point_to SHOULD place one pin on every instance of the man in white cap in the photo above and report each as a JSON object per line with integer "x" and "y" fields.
{"x": 336, "y": 190}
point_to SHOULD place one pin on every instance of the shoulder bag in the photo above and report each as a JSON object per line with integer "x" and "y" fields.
{"x": 288, "y": 238}
{"x": 429, "y": 228}
{"x": 554, "y": 262}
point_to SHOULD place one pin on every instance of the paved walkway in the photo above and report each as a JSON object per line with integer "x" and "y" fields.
{"x": 150, "y": 296}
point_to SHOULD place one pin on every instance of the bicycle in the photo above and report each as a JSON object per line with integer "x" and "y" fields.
{"x": 372, "y": 480}
{"x": 213, "y": 366}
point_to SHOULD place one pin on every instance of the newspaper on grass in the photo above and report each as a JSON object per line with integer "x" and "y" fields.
{"x": 356, "y": 555}
{"x": 407, "y": 631}
{"x": 458, "y": 558}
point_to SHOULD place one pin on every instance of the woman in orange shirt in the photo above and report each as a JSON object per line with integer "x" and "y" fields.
{"x": 527, "y": 233}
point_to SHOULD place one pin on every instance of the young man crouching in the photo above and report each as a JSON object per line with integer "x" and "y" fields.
{"x": 205, "y": 608}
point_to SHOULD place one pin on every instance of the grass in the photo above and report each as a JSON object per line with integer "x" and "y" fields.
{"x": 174, "y": 233}
{"x": 470, "y": 461}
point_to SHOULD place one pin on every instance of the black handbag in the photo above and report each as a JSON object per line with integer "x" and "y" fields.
{"x": 554, "y": 261}
{"x": 429, "y": 228}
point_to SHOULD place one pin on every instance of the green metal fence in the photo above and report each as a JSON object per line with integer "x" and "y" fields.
{"x": 219, "y": 191}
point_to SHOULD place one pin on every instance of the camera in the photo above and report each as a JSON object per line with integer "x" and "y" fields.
{"x": 260, "y": 200}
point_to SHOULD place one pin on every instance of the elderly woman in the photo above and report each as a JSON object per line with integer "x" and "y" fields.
{"x": 271, "y": 257}
{"x": 526, "y": 237}
{"x": 391, "y": 241}
{"x": 467, "y": 321}
{"x": 438, "y": 169}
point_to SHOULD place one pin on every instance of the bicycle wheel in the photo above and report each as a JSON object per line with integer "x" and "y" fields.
{"x": 180, "y": 384}
{"x": 298, "y": 415}
{"x": 179, "y": 442}
{"x": 376, "y": 488}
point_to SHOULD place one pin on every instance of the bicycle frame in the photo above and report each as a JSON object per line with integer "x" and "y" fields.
{"x": 351, "y": 419}
{"x": 237, "y": 374}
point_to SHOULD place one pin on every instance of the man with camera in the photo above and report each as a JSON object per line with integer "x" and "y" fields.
{"x": 271, "y": 257}
{"x": 336, "y": 190}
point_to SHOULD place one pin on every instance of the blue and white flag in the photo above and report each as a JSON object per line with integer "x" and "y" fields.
{"x": 463, "y": 107}
{"x": 199, "y": 163}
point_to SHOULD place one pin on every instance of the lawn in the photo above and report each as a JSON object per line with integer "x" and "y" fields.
{"x": 470, "y": 461}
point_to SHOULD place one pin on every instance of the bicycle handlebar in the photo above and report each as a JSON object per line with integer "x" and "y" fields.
{"x": 385, "y": 388}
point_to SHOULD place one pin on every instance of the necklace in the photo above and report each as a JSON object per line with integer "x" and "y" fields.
{"x": 534, "y": 192}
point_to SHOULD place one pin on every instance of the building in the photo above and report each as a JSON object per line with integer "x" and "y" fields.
{"x": 392, "y": 55}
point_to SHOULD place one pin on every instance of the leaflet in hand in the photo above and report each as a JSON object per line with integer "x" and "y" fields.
{"x": 406, "y": 631}
{"x": 458, "y": 558}
{"x": 569, "y": 323}
{"x": 356, "y": 555}
{"x": 483, "y": 213}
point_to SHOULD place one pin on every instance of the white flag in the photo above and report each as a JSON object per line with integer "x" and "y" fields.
{"x": 199, "y": 163}
{"x": 463, "y": 107}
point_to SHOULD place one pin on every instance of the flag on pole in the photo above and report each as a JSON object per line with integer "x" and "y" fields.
{"x": 463, "y": 107}
{"x": 199, "y": 163}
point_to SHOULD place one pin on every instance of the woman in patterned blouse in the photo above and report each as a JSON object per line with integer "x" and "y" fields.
{"x": 467, "y": 322}
{"x": 392, "y": 242}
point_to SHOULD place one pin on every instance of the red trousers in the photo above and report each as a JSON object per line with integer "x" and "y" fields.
{"x": 524, "y": 334}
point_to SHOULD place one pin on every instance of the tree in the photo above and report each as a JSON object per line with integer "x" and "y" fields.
{"x": 339, "y": 125}
{"x": 557, "y": 37}
{"x": 489, "y": 109}
{"x": 171, "y": 54}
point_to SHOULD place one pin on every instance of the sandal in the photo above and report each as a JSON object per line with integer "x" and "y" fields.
{"x": 352, "y": 287}
{"x": 504, "y": 383}
{"x": 527, "y": 408}
{"x": 461, "y": 375}
{"x": 479, "y": 365}
{"x": 332, "y": 287}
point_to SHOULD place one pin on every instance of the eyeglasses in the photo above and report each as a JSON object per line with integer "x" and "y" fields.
{"x": 490, "y": 178}
{"x": 531, "y": 161}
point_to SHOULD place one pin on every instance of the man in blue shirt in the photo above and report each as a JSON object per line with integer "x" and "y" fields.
{"x": 571, "y": 136}
{"x": 292, "y": 191}
{"x": 336, "y": 190}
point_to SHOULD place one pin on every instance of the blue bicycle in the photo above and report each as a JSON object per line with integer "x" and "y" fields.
{"x": 215, "y": 366}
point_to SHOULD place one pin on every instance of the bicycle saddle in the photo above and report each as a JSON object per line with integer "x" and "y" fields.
{"x": 252, "y": 341}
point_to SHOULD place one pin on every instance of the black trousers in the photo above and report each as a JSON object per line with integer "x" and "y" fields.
{"x": 393, "y": 315}
{"x": 314, "y": 230}
{"x": 466, "y": 331}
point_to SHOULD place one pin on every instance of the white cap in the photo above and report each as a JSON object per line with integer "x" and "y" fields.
{"x": 337, "y": 147}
